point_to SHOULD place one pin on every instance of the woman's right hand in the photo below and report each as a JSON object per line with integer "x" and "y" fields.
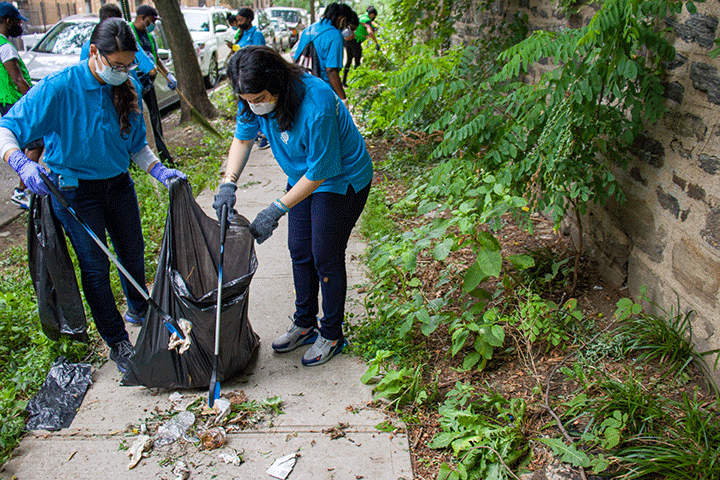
{"x": 225, "y": 196}
{"x": 29, "y": 172}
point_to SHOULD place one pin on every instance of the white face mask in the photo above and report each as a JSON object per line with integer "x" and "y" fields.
{"x": 262, "y": 108}
{"x": 108, "y": 75}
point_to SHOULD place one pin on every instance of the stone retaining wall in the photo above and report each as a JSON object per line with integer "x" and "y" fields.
{"x": 667, "y": 235}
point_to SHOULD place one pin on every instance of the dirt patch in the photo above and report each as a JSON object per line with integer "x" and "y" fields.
{"x": 13, "y": 234}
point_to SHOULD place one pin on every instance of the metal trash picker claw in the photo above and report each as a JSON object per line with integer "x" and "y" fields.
{"x": 214, "y": 389}
{"x": 179, "y": 330}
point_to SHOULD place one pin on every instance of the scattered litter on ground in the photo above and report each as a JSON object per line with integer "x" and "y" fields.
{"x": 213, "y": 438}
{"x": 230, "y": 457}
{"x": 337, "y": 431}
{"x": 174, "y": 428}
{"x": 141, "y": 448}
{"x": 181, "y": 470}
{"x": 282, "y": 467}
{"x": 222, "y": 407}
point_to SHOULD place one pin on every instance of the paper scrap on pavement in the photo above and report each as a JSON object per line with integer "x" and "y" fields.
{"x": 230, "y": 457}
{"x": 283, "y": 466}
{"x": 141, "y": 448}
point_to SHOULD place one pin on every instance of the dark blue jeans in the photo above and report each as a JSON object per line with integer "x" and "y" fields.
{"x": 319, "y": 229}
{"x": 106, "y": 205}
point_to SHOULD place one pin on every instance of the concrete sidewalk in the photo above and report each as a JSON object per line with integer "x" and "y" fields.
{"x": 314, "y": 399}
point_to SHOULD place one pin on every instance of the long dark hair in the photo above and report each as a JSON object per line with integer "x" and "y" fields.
{"x": 110, "y": 36}
{"x": 256, "y": 68}
{"x": 335, "y": 11}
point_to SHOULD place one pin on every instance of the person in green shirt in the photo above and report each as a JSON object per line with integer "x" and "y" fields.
{"x": 353, "y": 45}
{"x": 14, "y": 83}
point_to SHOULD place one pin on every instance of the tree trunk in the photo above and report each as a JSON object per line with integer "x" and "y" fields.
{"x": 187, "y": 68}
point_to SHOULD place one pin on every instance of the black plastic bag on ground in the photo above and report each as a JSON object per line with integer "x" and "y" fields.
{"x": 60, "y": 306}
{"x": 55, "y": 405}
{"x": 186, "y": 287}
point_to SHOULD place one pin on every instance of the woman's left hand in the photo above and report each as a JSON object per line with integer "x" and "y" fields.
{"x": 266, "y": 222}
{"x": 163, "y": 174}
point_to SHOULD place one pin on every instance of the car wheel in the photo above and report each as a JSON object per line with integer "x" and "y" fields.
{"x": 213, "y": 75}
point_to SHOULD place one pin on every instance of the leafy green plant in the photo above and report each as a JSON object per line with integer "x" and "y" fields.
{"x": 402, "y": 386}
{"x": 485, "y": 434}
{"x": 484, "y": 332}
{"x": 540, "y": 320}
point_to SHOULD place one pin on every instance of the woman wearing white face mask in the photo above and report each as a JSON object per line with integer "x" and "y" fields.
{"x": 90, "y": 119}
{"x": 316, "y": 143}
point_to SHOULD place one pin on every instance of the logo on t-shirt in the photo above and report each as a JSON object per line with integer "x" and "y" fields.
{"x": 284, "y": 137}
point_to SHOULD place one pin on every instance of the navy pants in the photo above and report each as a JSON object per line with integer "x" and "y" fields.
{"x": 319, "y": 229}
{"x": 106, "y": 206}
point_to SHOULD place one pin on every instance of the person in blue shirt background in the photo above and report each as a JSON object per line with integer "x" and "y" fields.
{"x": 145, "y": 64}
{"x": 316, "y": 143}
{"x": 325, "y": 35}
{"x": 247, "y": 33}
{"x": 90, "y": 119}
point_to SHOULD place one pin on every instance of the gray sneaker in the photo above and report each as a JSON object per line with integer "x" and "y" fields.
{"x": 322, "y": 351}
{"x": 294, "y": 338}
{"x": 120, "y": 353}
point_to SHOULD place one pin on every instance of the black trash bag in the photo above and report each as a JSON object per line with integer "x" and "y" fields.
{"x": 55, "y": 405}
{"x": 60, "y": 306}
{"x": 186, "y": 287}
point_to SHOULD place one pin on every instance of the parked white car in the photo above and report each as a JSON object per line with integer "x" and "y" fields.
{"x": 60, "y": 47}
{"x": 210, "y": 31}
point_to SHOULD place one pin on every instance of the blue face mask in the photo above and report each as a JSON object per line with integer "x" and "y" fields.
{"x": 150, "y": 28}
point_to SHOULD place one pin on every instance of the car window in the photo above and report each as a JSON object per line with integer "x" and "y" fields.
{"x": 197, "y": 21}
{"x": 66, "y": 38}
{"x": 219, "y": 19}
{"x": 159, "y": 35}
{"x": 290, "y": 16}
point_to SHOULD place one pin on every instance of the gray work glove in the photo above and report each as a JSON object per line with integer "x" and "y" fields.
{"x": 265, "y": 222}
{"x": 225, "y": 196}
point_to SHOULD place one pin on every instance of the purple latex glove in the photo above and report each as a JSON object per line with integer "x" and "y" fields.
{"x": 163, "y": 174}
{"x": 29, "y": 172}
{"x": 172, "y": 82}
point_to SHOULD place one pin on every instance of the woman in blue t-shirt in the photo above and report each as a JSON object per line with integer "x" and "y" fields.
{"x": 90, "y": 119}
{"x": 316, "y": 143}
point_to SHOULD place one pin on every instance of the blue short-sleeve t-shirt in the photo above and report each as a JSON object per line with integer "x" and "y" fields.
{"x": 323, "y": 143}
{"x": 75, "y": 116}
{"x": 252, "y": 36}
{"x": 328, "y": 43}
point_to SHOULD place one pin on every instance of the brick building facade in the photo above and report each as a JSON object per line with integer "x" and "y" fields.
{"x": 666, "y": 236}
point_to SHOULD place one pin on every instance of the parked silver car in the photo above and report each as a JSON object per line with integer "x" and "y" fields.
{"x": 210, "y": 32}
{"x": 61, "y": 45}
{"x": 282, "y": 34}
{"x": 296, "y": 20}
